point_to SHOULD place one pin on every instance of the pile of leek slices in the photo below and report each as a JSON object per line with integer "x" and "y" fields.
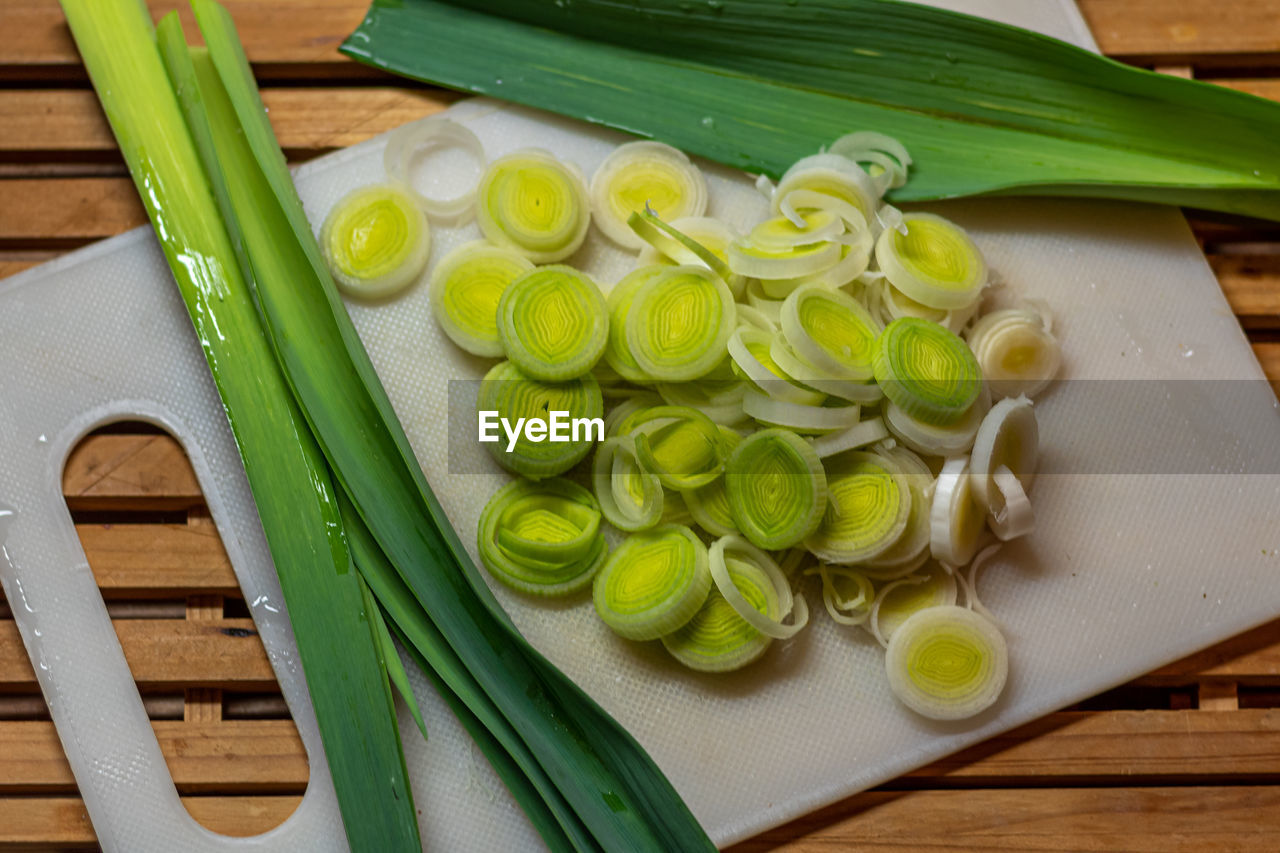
{"x": 822, "y": 396}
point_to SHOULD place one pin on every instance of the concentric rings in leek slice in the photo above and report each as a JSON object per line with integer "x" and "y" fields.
{"x": 407, "y": 142}
{"x": 653, "y": 583}
{"x": 1017, "y": 351}
{"x": 631, "y": 498}
{"x": 730, "y": 552}
{"x": 750, "y": 350}
{"x": 831, "y": 174}
{"x": 831, "y": 330}
{"x": 947, "y": 663}
{"x": 914, "y": 541}
{"x": 929, "y": 440}
{"x": 679, "y": 323}
{"x": 932, "y": 586}
{"x": 553, "y": 323}
{"x": 645, "y": 175}
{"x": 542, "y": 538}
{"x": 376, "y": 241}
{"x": 868, "y": 504}
{"x": 681, "y": 445}
{"x": 616, "y": 352}
{"x": 535, "y": 204}
{"x": 717, "y": 639}
{"x": 777, "y": 488}
{"x": 781, "y": 233}
{"x": 514, "y": 395}
{"x": 934, "y": 262}
{"x": 706, "y": 233}
{"x": 928, "y": 372}
{"x": 466, "y": 285}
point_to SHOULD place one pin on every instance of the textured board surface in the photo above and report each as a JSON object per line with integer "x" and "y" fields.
{"x": 814, "y": 720}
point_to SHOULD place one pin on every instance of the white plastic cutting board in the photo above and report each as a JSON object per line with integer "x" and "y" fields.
{"x": 1151, "y": 542}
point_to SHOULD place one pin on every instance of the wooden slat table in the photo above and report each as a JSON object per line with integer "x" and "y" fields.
{"x": 1185, "y": 758}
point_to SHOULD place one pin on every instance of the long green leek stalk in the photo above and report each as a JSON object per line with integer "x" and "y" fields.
{"x": 287, "y": 473}
{"x": 756, "y": 84}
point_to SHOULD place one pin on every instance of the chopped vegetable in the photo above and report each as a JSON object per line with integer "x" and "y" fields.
{"x": 678, "y": 323}
{"x": 653, "y": 583}
{"x": 777, "y": 489}
{"x": 831, "y": 331}
{"x": 870, "y": 502}
{"x": 947, "y": 663}
{"x": 407, "y": 142}
{"x": 932, "y": 261}
{"x": 896, "y": 601}
{"x": 955, "y": 521}
{"x": 535, "y": 204}
{"x": 733, "y": 552}
{"x": 376, "y": 241}
{"x": 630, "y": 497}
{"x": 1017, "y": 351}
{"x": 542, "y": 538}
{"x": 553, "y": 323}
{"x": 717, "y": 638}
{"x": 518, "y": 397}
{"x": 645, "y": 175}
{"x": 926, "y": 371}
{"x": 466, "y": 286}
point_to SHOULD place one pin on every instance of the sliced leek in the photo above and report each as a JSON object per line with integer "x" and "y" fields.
{"x": 408, "y": 142}
{"x": 542, "y": 538}
{"x": 896, "y": 601}
{"x": 734, "y": 552}
{"x": 1017, "y": 351}
{"x": 535, "y": 204}
{"x": 799, "y": 417}
{"x": 831, "y": 331}
{"x": 869, "y": 502}
{"x": 682, "y": 446}
{"x": 885, "y": 158}
{"x": 709, "y": 504}
{"x": 850, "y": 609}
{"x": 927, "y": 371}
{"x": 653, "y": 583}
{"x": 553, "y": 323}
{"x": 514, "y": 395}
{"x": 617, "y": 352}
{"x": 466, "y": 285}
{"x": 630, "y": 497}
{"x": 914, "y": 542}
{"x": 859, "y": 435}
{"x": 708, "y": 234}
{"x": 811, "y": 377}
{"x": 749, "y": 349}
{"x": 930, "y": 440}
{"x": 645, "y": 175}
{"x": 933, "y": 261}
{"x": 670, "y": 241}
{"x": 777, "y": 488}
{"x": 752, "y": 261}
{"x": 376, "y": 241}
{"x": 955, "y": 520}
{"x": 717, "y": 639}
{"x": 1008, "y": 436}
{"x": 622, "y": 416}
{"x": 832, "y": 175}
{"x": 678, "y": 324}
{"x": 947, "y": 663}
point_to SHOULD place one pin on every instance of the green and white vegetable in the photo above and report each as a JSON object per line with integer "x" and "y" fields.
{"x": 733, "y": 552}
{"x": 630, "y": 497}
{"x": 466, "y": 286}
{"x": 777, "y": 489}
{"x": 645, "y": 175}
{"x": 553, "y": 323}
{"x": 1017, "y": 350}
{"x": 515, "y": 395}
{"x": 933, "y": 586}
{"x": 678, "y": 323}
{"x": 534, "y": 203}
{"x": 869, "y": 504}
{"x": 653, "y": 583}
{"x": 947, "y": 663}
{"x": 542, "y": 538}
{"x": 376, "y": 241}
{"x": 955, "y": 520}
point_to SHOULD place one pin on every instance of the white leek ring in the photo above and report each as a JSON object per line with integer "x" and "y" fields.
{"x": 947, "y": 663}
{"x": 735, "y": 549}
{"x": 376, "y": 241}
{"x": 645, "y": 174}
{"x": 466, "y": 286}
{"x": 406, "y": 143}
{"x": 934, "y": 262}
{"x": 535, "y": 204}
{"x": 955, "y": 521}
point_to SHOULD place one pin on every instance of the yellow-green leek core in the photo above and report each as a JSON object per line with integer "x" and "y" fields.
{"x": 542, "y": 538}
{"x": 535, "y": 204}
{"x": 630, "y": 497}
{"x": 616, "y": 352}
{"x": 830, "y": 330}
{"x": 717, "y": 639}
{"x": 466, "y": 285}
{"x": 682, "y": 446}
{"x": 376, "y": 241}
{"x": 553, "y": 323}
{"x": 679, "y": 323}
{"x": 947, "y": 663}
{"x": 645, "y": 175}
{"x": 934, "y": 262}
{"x": 653, "y": 583}
{"x": 513, "y": 394}
{"x": 914, "y": 541}
{"x": 777, "y": 488}
{"x": 927, "y": 371}
{"x": 869, "y": 502}
{"x": 709, "y": 504}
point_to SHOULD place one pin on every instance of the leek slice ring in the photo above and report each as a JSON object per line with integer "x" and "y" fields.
{"x": 838, "y": 606}
{"x": 653, "y": 583}
{"x": 679, "y": 323}
{"x": 859, "y": 435}
{"x": 1008, "y": 436}
{"x": 833, "y": 175}
{"x": 630, "y": 497}
{"x": 682, "y": 446}
{"x": 832, "y": 331}
{"x": 914, "y": 542}
{"x": 675, "y": 244}
{"x": 513, "y": 394}
{"x": 955, "y": 519}
{"x": 930, "y": 440}
{"x": 1017, "y": 351}
{"x": 553, "y": 323}
{"x": 750, "y": 350}
{"x": 706, "y": 234}
{"x": 887, "y": 160}
{"x": 869, "y": 503}
{"x": 466, "y": 286}
{"x": 799, "y": 417}
{"x": 947, "y": 663}
{"x": 811, "y": 377}
{"x": 927, "y": 371}
{"x": 747, "y": 259}
{"x": 535, "y": 204}
{"x": 375, "y": 241}
{"x": 709, "y": 504}
{"x": 729, "y": 550}
{"x": 717, "y": 639}
{"x": 777, "y": 489}
{"x": 897, "y": 601}
{"x": 616, "y": 351}
{"x": 645, "y": 175}
{"x": 433, "y": 132}
{"x": 934, "y": 262}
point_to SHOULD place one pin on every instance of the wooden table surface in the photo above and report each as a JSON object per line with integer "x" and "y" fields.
{"x": 1185, "y": 758}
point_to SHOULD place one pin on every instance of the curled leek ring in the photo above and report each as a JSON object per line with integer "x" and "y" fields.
{"x": 1009, "y": 436}
{"x": 645, "y": 175}
{"x": 749, "y": 349}
{"x": 542, "y": 538}
{"x": 717, "y": 639}
{"x": 1017, "y": 351}
{"x": 754, "y": 318}
{"x": 670, "y": 241}
{"x": 851, "y": 609}
{"x": 709, "y": 504}
{"x": 729, "y": 552}
{"x": 833, "y": 175}
{"x": 466, "y": 285}
{"x": 630, "y": 497}
{"x": 622, "y": 416}
{"x": 703, "y": 235}
{"x": 869, "y": 502}
{"x": 947, "y": 663}
{"x": 682, "y": 446}
{"x": 752, "y": 261}
{"x": 553, "y": 323}
{"x": 777, "y": 488}
{"x": 719, "y": 399}
{"x": 768, "y": 307}
{"x": 653, "y": 583}
{"x": 535, "y": 204}
{"x": 955, "y": 520}
{"x": 811, "y": 377}
{"x": 798, "y": 417}
{"x": 927, "y": 371}
{"x": 782, "y": 233}
{"x": 929, "y": 440}
{"x": 375, "y": 241}
{"x": 896, "y": 601}
{"x": 406, "y": 143}
{"x": 832, "y": 331}
{"x": 886, "y": 159}
{"x": 679, "y": 323}
{"x": 859, "y": 435}
{"x": 934, "y": 262}
{"x": 515, "y": 395}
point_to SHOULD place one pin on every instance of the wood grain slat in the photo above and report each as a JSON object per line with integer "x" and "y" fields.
{"x": 1163, "y": 32}
{"x": 147, "y": 471}
{"x": 1251, "y": 658}
{"x": 1251, "y": 283}
{"x": 146, "y": 560}
{"x": 163, "y": 653}
{"x": 54, "y": 213}
{"x": 1268, "y": 354}
{"x": 233, "y": 756}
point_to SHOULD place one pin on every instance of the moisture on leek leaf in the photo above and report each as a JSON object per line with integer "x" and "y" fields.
{"x": 927, "y": 371}
{"x": 869, "y": 504}
{"x": 947, "y": 663}
{"x": 645, "y": 175}
{"x": 653, "y": 583}
{"x": 376, "y": 241}
{"x": 534, "y": 203}
{"x": 542, "y": 538}
{"x": 514, "y": 395}
{"x": 466, "y": 285}
{"x": 777, "y": 488}
{"x": 553, "y": 323}
{"x": 678, "y": 324}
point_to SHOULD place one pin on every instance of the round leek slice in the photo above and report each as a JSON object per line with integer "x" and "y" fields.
{"x": 947, "y": 663}
{"x": 679, "y": 323}
{"x": 514, "y": 395}
{"x": 859, "y": 435}
{"x": 869, "y": 502}
{"x": 616, "y": 351}
{"x": 833, "y": 175}
{"x": 914, "y": 542}
{"x": 955, "y": 520}
{"x": 852, "y": 608}
{"x": 749, "y": 349}
{"x": 466, "y": 285}
{"x": 717, "y": 639}
{"x": 553, "y": 323}
{"x": 1009, "y": 436}
{"x": 709, "y": 504}
{"x": 645, "y": 175}
{"x": 927, "y": 371}
{"x": 375, "y": 241}
{"x": 777, "y": 488}
{"x": 630, "y": 497}
{"x": 535, "y": 204}
{"x": 653, "y": 583}
{"x": 782, "y": 233}
{"x": 718, "y": 399}
{"x": 811, "y": 377}
{"x": 896, "y": 601}
{"x": 831, "y": 331}
{"x": 542, "y": 538}
{"x": 934, "y": 262}
{"x": 1017, "y": 351}
{"x": 884, "y": 158}
{"x": 730, "y": 552}
{"x": 798, "y": 417}
{"x": 682, "y": 446}
{"x": 930, "y": 440}
{"x": 407, "y": 143}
